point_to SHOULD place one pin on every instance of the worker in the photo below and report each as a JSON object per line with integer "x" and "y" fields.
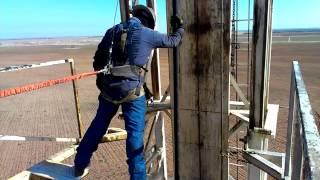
{"x": 123, "y": 53}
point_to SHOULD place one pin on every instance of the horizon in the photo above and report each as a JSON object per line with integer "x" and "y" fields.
{"x": 49, "y": 19}
{"x": 99, "y": 36}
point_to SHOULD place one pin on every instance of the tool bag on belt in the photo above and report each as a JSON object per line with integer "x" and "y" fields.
{"x": 119, "y": 73}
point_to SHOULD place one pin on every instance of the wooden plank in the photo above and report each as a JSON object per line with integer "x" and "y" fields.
{"x": 53, "y": 162}
{"x": 189, "y": 146}
{"x": 24, "y": 175}
{"x": 116, "y": 134}
{"x": 210, "y": 147}
{"x": 203, "y": 89}
{"x": 63, "y": 155}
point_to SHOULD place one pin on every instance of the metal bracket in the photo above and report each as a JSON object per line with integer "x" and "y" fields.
{"x": 244, "y": 120}
{"x": 270, "y": 162}
{"x": 239, "y": 91}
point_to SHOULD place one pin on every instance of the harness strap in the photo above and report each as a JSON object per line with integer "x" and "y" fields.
{"x": 144, "y": 85}
{"x": 123, "y": 39}
{"x": 131, "y": 96}
{"x": 125, "y": 71}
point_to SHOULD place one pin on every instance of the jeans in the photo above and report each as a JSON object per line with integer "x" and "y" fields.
{"x": 134, "y": 114}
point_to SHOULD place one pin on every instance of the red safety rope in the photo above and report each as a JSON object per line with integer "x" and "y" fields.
{"x": 43, "y": 84}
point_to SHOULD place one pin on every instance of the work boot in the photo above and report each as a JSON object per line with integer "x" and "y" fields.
{"x": 78, "y": 172}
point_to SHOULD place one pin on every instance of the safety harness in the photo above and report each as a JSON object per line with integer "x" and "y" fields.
{"x": 124, "y": 69}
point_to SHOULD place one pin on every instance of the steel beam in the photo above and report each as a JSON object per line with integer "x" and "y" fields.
{"x": 261, "y": 58}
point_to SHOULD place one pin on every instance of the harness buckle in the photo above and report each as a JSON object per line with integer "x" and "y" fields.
{"x": 106, "y": 70}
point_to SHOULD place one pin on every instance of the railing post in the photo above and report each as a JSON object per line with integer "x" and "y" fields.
{"x": 297, "y": 150}
{"x": 76, "y": 100}
{"x": 291, "y": 116}
{"x": 305, "y": 154}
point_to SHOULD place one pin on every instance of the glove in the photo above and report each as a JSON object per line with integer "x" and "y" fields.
{"x": 176, "y": 22}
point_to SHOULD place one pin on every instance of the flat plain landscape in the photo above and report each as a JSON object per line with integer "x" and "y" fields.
{"x": 51, "y": 112}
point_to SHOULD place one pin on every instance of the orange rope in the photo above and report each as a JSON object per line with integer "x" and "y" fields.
{"x": 43, "y": 84}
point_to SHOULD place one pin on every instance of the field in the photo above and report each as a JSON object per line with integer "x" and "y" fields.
{"x": 51, "y": 111}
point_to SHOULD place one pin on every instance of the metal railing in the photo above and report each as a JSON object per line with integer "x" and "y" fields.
{"x": 303, "y": 140}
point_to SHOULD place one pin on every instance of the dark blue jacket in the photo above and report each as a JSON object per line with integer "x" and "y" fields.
{"x": 140, "y": 42}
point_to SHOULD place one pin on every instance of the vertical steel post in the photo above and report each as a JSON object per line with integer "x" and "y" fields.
{"x": 159, "y": 130}
{"x": 297, "y": 158}
{"x": 155, "y": 64}
{"x": 124, "y": 10}
{"x": 175, "y": 99}
{"x": 261, "y": 47}
{"x": 291, "y": 117}
{"x": 260, "y": 72}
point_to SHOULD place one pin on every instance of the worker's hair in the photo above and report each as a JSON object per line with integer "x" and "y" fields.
{"x": 145, "y": 15}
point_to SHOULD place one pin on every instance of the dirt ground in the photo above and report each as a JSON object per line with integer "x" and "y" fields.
{"x": 51, "y": 111}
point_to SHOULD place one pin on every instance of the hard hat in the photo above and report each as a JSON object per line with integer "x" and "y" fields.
{"x": 145, "y": 13}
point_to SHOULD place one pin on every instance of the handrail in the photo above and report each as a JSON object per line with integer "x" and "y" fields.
{"x": 303, "y": 140}
{"x": 50, "y": 63}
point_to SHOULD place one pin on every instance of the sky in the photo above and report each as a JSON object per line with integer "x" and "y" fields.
{"x": 287, "y": 14}
{"x": 61, "y": 18}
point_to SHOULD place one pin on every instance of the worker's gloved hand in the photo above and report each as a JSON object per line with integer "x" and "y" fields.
{"x": 176, "y": 22}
